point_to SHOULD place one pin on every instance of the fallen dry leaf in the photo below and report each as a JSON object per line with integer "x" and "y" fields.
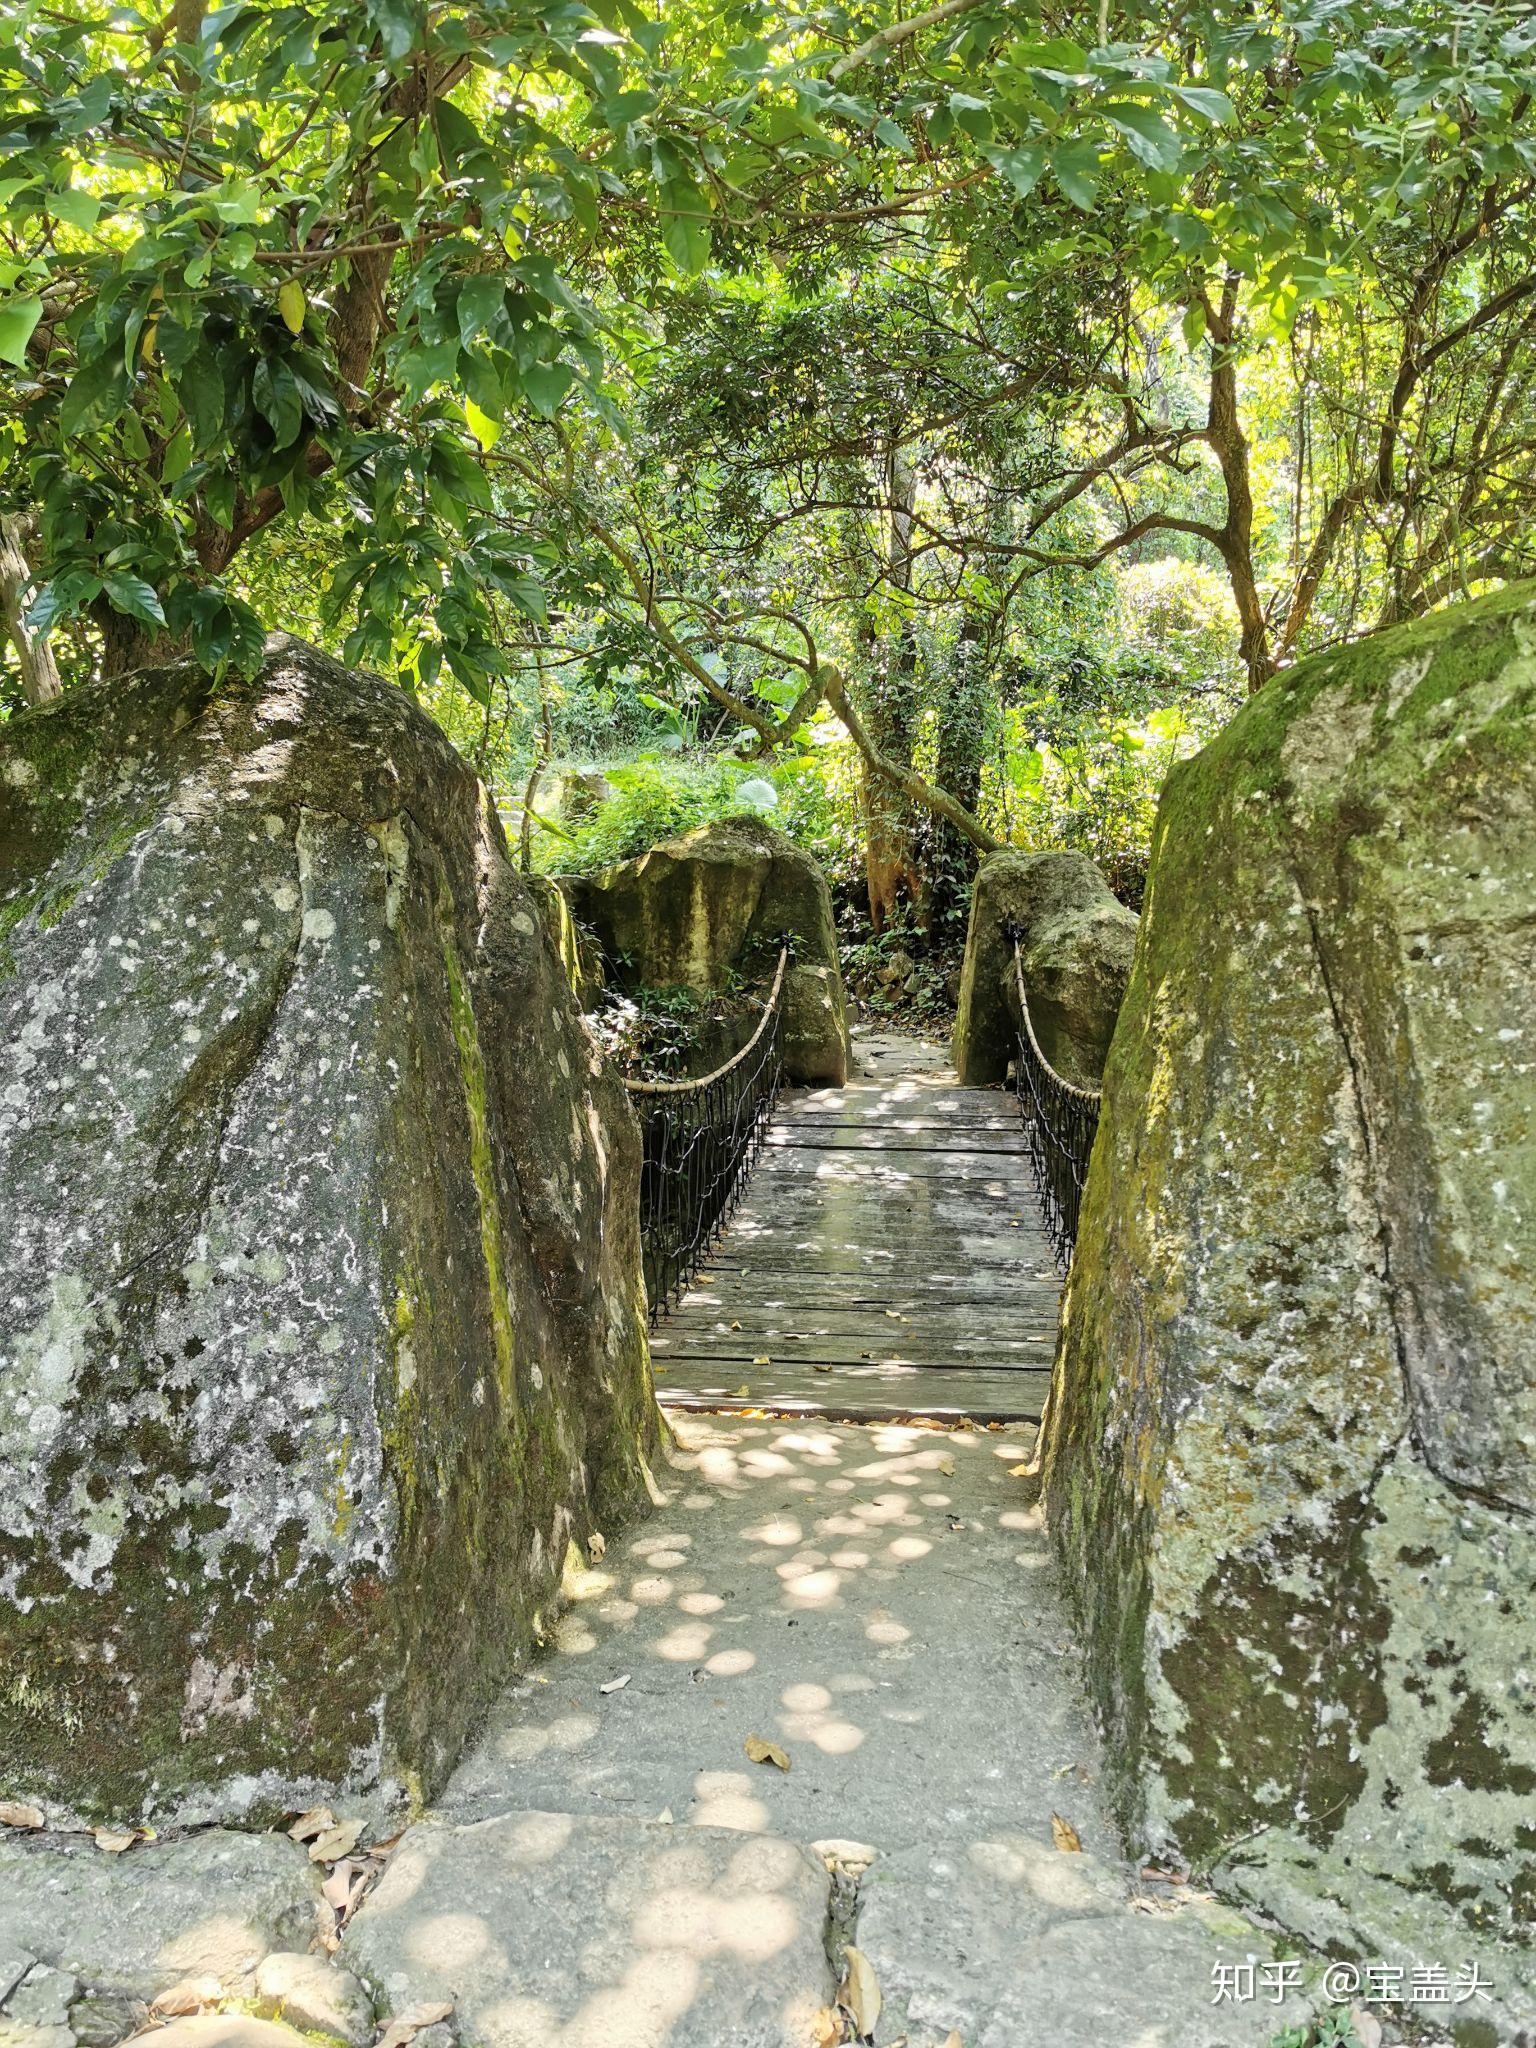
{"x": 615, "y": 1684}
{"x": 1063, "y": 1834}
{"x": 14, "y": 1815}
{"x": 741, "y": 1393}
{"x": 952, "y": 2039}
{"x": 735, "y": 1326}
{"x": 405, "y": 2026}
{"x": 764, "y": 1360}
{"x": 1366, "y": 2025}
{"x": 761, "y": 1752}
{"x": 189, "y": 1996}
{"x": 111, "y": 1841}
{"x": 1021, "y": 1471}
{"x": 597, "y": 1546}
{"x": 336, "y": 1842}
{"x": 827, "y": 2027}
{"x": 337, "y": 1889}
{"x": 860, "y": 1993}
{"x": 947, "y": 1465}
{"x": 310, "y": 1824}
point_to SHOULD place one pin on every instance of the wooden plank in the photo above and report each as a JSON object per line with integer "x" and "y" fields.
{"x": 850, "y": 1396}
{"x": 902, "y": 1193}
{"x": 895, "y": 1097}
{"x": 797, "y": 1138}
{"x": 847, "y": 1166}
{"x": 958, "y": 1316}
{"x": 791, "y": 1244}
{"x": 856, "y": 1347}
{"x": 917, "y": 1118}
{"x": 795, "y": 1308}
{"x": 752, "y": 1298}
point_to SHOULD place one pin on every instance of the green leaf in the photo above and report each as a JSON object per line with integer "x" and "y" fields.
{"x": 485, "y": 430}
{"x": 398, "y": 23}
{"x": 1021, "y": 167}
{"x": 177, "y": 459}
{"x": 237, "y": 201}
{"x": 62, "y": 598}
{"x": 276, "y": 398}
{"x": 1205, "y": 99}
{"x": 1150, "y": 137}
{"x": 1077, "y": 173}
{"x": 97, "y": 392}
{"x": 131, "y": 594}
{"x": 546, "y": 385}
{"x": 685, "y": 236}
{"x": 18, "y": 317}
{"x": 76, "y": 209}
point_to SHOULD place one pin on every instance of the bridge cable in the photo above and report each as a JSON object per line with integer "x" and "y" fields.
{"x": 700, "y": 1139}
{"x": 1060, "y": 1123}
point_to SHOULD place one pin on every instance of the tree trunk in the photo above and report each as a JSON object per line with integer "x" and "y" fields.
{"x": 950, "y": 857}
{"x": 40, "y": 682}
{"x": 1228, "y": 442}
{"x": 912, "y": 785}
{"x": 891, "y": 870}
{"x": 891, "y": 828}
{"x": 126, "y": 644}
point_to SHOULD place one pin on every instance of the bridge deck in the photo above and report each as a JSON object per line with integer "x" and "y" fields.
{"x": 887, "y": 1260}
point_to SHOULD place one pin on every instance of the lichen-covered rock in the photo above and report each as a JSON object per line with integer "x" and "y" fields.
{"x": 1290, "y": 1468}
{"x": 314, "y": 1994}
{"x": 322, "y": 1329}
{"x": 1076, "y": 946}
{"x": 687, "y": 912}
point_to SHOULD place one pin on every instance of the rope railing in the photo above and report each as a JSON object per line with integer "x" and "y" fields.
{"x": 1060, "y": 1122}
{"x": 700, "y": 1139}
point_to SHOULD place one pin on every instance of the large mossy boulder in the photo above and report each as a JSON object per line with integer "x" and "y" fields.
{"x": 1076, "y": 944}
{"x": 1292, "y": 1460}
{"x": 686, "y": 913}
{"x": 322, "y": 1329}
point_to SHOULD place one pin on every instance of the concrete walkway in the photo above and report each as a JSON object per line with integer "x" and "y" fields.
{"x": 609, "y": 1867}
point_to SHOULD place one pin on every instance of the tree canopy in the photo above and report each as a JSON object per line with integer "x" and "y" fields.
{"x": 763, "y": 356}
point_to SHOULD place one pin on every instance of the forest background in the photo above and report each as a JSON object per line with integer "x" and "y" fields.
{"x": 917, "y": 429}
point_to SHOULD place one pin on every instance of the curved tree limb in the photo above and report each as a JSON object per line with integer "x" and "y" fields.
{"x": 907, "y": 780}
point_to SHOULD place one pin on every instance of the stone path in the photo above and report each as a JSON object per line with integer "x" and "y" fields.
{"x": 609, "y": 1866}
{"x": 609, "y": 1869}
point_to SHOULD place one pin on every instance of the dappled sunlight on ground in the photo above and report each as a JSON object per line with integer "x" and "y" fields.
{"x": 808, "y": 1584}
{"x": 666, "y": 1936}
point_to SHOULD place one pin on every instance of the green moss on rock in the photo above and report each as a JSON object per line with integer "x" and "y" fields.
{"x": 684, "y": 914}
{"x": 1076, "y": 943}
{"x": 1292, "y": 1447}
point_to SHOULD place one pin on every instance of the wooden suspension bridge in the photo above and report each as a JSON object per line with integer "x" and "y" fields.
{"x": 887, "y": 1258}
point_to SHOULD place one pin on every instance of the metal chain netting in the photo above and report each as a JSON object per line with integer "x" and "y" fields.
{"x": 701, "y": 1138}
{"x": 1060, "y": 1124}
